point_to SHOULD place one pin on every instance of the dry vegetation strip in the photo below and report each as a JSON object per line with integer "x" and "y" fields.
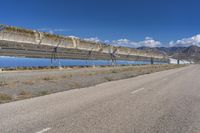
{"x": 5, "y": 98}
{"x": 65, "y": 80}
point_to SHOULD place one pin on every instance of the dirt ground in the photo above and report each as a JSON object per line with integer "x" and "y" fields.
{"x": 17, "y": 85}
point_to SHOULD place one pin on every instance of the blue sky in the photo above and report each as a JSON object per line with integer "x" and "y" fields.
{"x": 121, "y": 22}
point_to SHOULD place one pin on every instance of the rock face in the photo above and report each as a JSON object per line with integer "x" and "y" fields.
{"x": 191, "y": 53}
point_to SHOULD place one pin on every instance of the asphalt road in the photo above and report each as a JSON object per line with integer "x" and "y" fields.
{"x": 162, "y": 102}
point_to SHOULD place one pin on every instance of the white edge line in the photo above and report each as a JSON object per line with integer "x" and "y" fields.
{"x": 133, "y": 92}
{"x": 44, "y": 130}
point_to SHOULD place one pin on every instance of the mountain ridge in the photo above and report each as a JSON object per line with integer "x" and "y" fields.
{"x": 191, "y": 53}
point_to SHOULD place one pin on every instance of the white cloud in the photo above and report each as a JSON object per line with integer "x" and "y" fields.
{"x": 93, "y": 39}
{"x": 123, "y": 42}
{"x": 150, "y": 42}
{"x": 107, "y": 41}
{"x": 185, "y": 42}
{"x": 74, "y": 37}
{"x": 147, "y": 42}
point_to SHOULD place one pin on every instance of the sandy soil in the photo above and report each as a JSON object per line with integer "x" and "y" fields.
{"x": 16, "y": 85}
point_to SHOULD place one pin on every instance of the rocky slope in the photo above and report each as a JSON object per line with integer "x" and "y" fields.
{"x": 188, "y": 53}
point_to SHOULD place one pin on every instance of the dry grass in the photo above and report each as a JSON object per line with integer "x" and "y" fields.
{"x": 64, "y": 76}
{"x": 73, "y": 80}
{"x": 108, "y": 78}
{"x": 29, "y": 82}
{"x": 5, "y": 98}
{"x": 42, "y": 93}
{"x": 90, "y": 74}
{"x": 70, "y": 76}
{"x": 115, "y": 71}
{"x": 3, "y": 83}
{"x": 75, "y": 85}
{"x": 47, "y": 78}
{"x": 24, "y": 94}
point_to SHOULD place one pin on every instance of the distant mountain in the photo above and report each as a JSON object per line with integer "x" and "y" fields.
{"x": 154, "y": 50}
{"x": 187, "y": 53}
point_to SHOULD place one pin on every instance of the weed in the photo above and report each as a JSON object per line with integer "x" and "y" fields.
{"x": 114, "y": 71}
{"x": 90, "y": 74}
{"x": 108, "y": 78}
{"x": 3, "y": 83}
{"x": 29, "y": 82}
{"x": 24, "y": 94}
{"x": 48, "y": 78}
{"x": 64, "y": 76}
{"x": 75, "y": 85}
{"x": 5, "y": 97}
{"x": 94, "y": 73}
{"x": 70, "y": 76}
{"x": 42, "y": 93}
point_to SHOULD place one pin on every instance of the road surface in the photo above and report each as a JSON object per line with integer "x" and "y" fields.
{"x": 162, "y": 102}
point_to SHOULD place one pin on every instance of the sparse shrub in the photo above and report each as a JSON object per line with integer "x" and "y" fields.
{"x": 5, "y": 97}
{"x": 24, "y": 94}
{"x": 75, "y": 85}
{"x": 133, "y": 75}
{"x": 108, "y": 78}
{"x": 42, "y": 93}
{"x": 70, "y": 76}
{"x": 64, "y": 76}
{"x": 90, "y": 74}
{"x": 3, "y": 83}
{"x": 114, "y": 71}
{"x": 28, "y": 82}
{"x": 47, "y": 78}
